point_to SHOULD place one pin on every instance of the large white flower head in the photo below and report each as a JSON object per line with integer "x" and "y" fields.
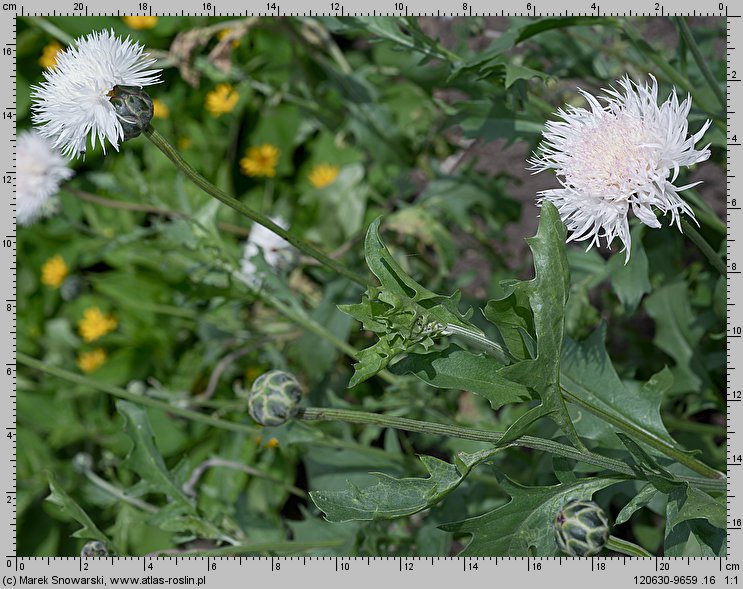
{"x": 277, "y": 252}
{"x": 39, "y": 171}
{"x": 621, "y": 154}
{"x": 74, "y": 99}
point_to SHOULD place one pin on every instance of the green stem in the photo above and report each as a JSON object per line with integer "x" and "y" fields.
{"x": 172, "y": 154}
{"x": 465, "y": 433}
{"x": 361, "y": 417}
{"x": 704, "y": 247}
{"x": 670, "y": 72}
{"x": 701, "y": 62}
{"x": 626, "y": 547}
{"x": 119, "y": 493}
{"x": 135, "y": 398}
{"x": 495, "y": 349}
{"x": 642, "y": 435}
{"x": 303, "y": 321}
{"x": 49, "y": 28}
{"x": 695, "y": 427}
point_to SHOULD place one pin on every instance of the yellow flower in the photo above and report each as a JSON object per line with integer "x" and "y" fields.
{"x": 223, "y": 33}
{"x": 140, "y": 23}
{"x": 221, "y": 100}
{"x": 260, "y": 160}
{"x": 160, "y": 110}
{"x": 48, "y": 57}
{"x": 272, "y": 443}
{"x": 91, "y": 361}
{"x": 95, "y": 324}
{"x": 54, "y": 271}
{"x": 322, "y": 175}
{"x": 185, "y": 142}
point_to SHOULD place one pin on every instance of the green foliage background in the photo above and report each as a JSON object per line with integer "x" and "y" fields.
{"x": 430, "y": 122}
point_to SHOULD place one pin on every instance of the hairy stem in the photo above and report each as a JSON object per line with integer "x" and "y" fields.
{"x": 466, "y": 433}
{"x": 362, "y": 417}
{"x": 493, "y": 348}
{"x": 661, "y": 445}
{"x": 172, "y": 154}
{"x": 626, "y": 547}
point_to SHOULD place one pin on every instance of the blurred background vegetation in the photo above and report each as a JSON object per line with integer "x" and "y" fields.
{"x": 328, "y": 123}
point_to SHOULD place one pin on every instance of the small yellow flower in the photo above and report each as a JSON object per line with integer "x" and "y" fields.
{"x": 184, "y": 142}
{"x": 160, "y": 110}
{"x": 272, "y": 442}
{"x": 223, "y": 33}
{"x": 322, "y": 175}
{"x": 221, "y": 100}
{"x": 260, "y": 160}
{"x": 54, "y": 271}
{"x": 48, "y": 57}
{"x": 91, "y": 361}
{"x": 95, "y": 324}
{"x": 140, "y": 23}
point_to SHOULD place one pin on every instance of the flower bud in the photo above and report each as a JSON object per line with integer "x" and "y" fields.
{"x": 274, "y": 397}
{"x": 581, "y": 528}
{"x": 82, "y": 462}
{"x": 134, "y": 109}
{"x": 94, "y": 548}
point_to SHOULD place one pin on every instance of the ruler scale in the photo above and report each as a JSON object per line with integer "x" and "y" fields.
{"x": 362, "y": 571}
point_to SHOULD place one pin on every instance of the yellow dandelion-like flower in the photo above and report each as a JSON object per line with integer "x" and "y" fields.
{"x": 222, "y": 100}
{"x": 223, "y": 33}
{"x": 95, "y": 324}
{"x": 91, "y": 361}
{"x": 160, "y": 110}
{"x": 272, "y": 442}
{"x": 184, "y": 142}
{"x": 54, "y": 271}
{"x": 140, "y": 23}
{"x": 322, "y": 175}
{"x": 260, "y": 160}
{"x": 48, "y": 57}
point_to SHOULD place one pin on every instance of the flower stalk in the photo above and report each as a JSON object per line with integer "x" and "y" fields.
{"x": 701, "y": 62}
{"x": 362, "y": 417}
{"x": 172, "y": 154}
{"x": 704, "y": 247}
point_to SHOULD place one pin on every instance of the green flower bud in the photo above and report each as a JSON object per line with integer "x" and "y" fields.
{"x": 94, "y": 548}
{"x": 581, "y": 528}
{"x": 134, "y": 108}
{"x": 274, "y": 397}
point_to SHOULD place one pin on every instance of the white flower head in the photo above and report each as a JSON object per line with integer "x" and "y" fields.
{"x": 622, "y": 153}
{"x": 39, "y": 171}
{"x": 74, "y": 99}
{"x": 277, "y": 252}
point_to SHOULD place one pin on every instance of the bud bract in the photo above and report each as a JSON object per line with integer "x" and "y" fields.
{"x": 134, "y": 108}
{"x": 274, "y": 398}
{"x": 581, "y": 528}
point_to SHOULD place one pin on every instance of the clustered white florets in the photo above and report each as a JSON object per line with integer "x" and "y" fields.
{"x": 620, "y": 155}
{"x": 75, "y": 98}
{"x": 275, "y": 249}
{"x": 39, "y": 170}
